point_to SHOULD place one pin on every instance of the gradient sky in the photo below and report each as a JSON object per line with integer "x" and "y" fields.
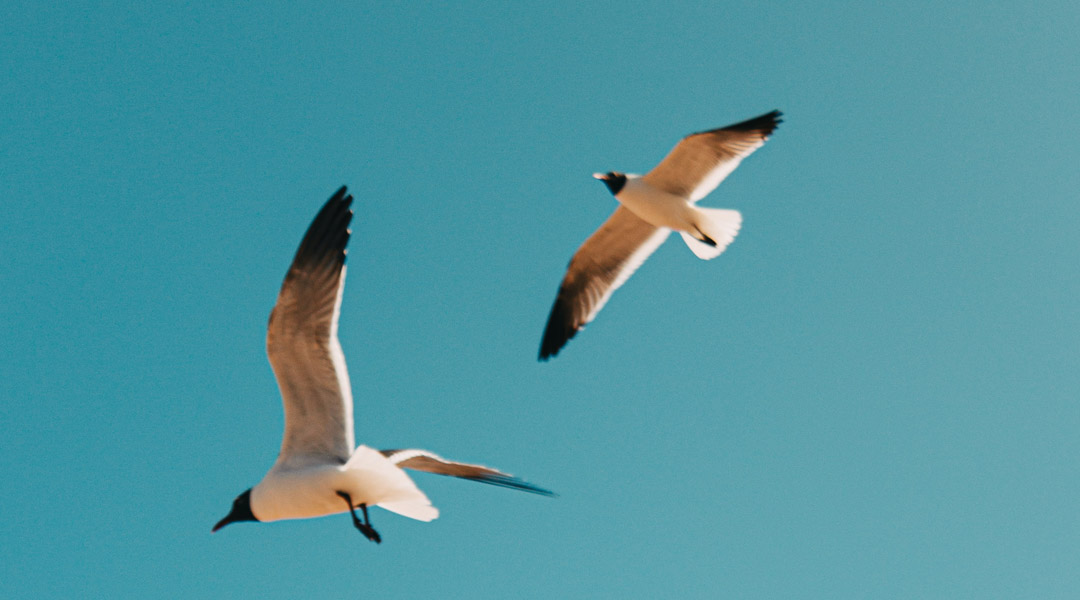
{"x": 872, "y": 394}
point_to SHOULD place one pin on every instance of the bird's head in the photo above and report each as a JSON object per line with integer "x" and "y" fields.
{"x": 613, "y": 180}
{"x": 241, "y": 511}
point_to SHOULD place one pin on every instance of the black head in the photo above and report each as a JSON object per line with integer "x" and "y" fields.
{"x": 613, "y": 180}
{"x": 241, "y": 511}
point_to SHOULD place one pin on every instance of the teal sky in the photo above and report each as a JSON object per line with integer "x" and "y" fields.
{"x": 872, "y": 394}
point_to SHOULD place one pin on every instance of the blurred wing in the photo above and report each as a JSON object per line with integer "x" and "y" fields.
{"x": 699, "y": 162}
{"x": 602, "y": 264}
{"x": 303, "y": 346}
{"x": 422, "y": 460}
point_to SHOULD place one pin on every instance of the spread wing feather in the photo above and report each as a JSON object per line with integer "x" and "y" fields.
{"x": 422, "y": 460}
{"x": 302, "y": 342}
{"x": 603, "y": 263}
{"x": 699, "y": 162}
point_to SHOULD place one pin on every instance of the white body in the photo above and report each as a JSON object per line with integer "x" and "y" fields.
{"x": 665, "y": 210}
{"x": 302, "y": 491}
{"x": 657, "y": 207}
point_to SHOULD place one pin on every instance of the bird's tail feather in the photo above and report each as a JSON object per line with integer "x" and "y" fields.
{"x": 716, "y": 225}
{"x": 387, "y": 486}
{"x": 421, "y": 510}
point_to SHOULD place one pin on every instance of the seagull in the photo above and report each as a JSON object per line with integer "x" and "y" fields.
{"x": 650, "y": 207}
{"x": 319, "y": 471}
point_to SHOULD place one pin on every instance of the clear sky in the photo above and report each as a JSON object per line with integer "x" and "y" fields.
{"x": 872, "y": 394}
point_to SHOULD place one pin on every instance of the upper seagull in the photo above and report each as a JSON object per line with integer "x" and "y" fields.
{"x": 650, "y": 207}
{"x": 318, "y": 472}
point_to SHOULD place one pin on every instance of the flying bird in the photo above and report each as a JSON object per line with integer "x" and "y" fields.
{"x": 650, "y": 207}
{"x": 319, "y": 470}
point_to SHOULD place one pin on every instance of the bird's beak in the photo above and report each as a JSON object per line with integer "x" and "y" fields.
{"x": 228, "y": 519}
{"x": 600, "y": 176}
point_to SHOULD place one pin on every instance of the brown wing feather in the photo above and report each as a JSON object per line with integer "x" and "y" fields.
{"x": 422, "y": 460}
{"x": 599, "y": 267}
{"x": 302, "y": 343}
{"x": 699, "y": 162}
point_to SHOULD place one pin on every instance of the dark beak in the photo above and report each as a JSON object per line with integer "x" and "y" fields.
{"x": 229, "y": 518}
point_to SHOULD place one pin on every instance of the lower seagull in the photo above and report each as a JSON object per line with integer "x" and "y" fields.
{"x": 320, "y": 471}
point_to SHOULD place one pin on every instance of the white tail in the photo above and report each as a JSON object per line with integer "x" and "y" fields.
{"x": 414, "y": 509}
{"x": 720, "y": 225}
{"x": 387, "y": 486}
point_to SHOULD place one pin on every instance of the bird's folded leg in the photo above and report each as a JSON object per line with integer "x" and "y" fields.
{"x": 701, "y": 237}
{"x": 365, "y": 525}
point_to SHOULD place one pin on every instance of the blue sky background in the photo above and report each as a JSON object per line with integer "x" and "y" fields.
{"x": 872, "y": 393}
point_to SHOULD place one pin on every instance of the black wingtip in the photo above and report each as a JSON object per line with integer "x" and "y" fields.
{"x": 326, "y": 239}
{"x": 765, "y": 123}
{"x": 547, "y": 350}
{"x": 558, "y": 331}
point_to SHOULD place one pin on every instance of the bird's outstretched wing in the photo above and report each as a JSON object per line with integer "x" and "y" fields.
{"x": 422, "y": 460}
{"x": 599, "y": 267}
{"x": 699, "y": 162}
{"x": 303, "y": 346}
